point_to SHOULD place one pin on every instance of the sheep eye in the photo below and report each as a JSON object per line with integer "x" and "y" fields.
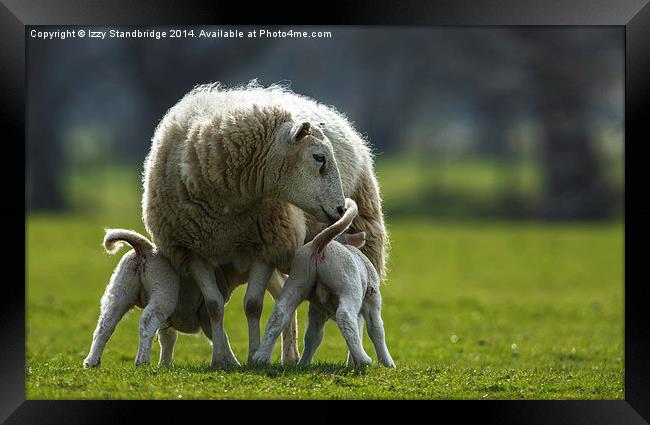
{"x": 319, "y": 158}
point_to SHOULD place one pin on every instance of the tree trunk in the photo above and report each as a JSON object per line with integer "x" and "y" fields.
{"x": 574, "y": 186}
{"x": 564, "y": 76}
{"x": 43, "y": 138}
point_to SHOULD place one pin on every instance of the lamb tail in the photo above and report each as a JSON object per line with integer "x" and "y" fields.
{"x": 115, "y": 238}
{"x": 323, "y": 238}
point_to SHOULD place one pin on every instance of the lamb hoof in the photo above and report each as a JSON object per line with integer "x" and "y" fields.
{"x": 390, "y": 365}
{"x": 260, "y": 360}
{"x": 141, "y": 362}
{"x": 361, "y": 363}
{"x": 88, "y": 363}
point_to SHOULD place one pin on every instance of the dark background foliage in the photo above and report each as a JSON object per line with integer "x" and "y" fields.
{"x": 541, "y": 109}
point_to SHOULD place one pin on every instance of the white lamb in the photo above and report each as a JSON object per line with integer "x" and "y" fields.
{"x": 339, "y": 282}
{"x": 145, "y": 278}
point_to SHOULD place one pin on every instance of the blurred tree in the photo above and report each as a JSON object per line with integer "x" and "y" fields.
{"x": 403, "y": 88}
{"x": 43, "y": 135}
{"x": 164, "y": 72}
{"x": 565, "y": 72}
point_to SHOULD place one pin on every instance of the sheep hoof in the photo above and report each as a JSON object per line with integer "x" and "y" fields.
{"x": 291, "y": 357}
{"x": 223, "y": 363}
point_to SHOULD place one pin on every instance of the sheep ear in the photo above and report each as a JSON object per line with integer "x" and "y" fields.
{"x": 303, "y": 131}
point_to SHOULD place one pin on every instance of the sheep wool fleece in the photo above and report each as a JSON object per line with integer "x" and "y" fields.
{"x": 199, "y": 173}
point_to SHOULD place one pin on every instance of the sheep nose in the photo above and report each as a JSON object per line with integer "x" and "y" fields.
{"x": 340, "y": 210}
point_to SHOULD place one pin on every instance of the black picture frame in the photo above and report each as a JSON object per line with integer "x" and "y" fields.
{"x": 634, "y": 15}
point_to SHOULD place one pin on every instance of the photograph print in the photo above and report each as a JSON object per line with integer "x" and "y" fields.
{"x": 325, "y": 212}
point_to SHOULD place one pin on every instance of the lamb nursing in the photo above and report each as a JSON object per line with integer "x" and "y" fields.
{"x": 145, "y": 278}
{"x": 340, "y": 283}
{"x": 244, "y": 177}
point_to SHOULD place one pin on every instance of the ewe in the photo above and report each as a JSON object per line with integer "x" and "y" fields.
{"x": 228, "y": 180}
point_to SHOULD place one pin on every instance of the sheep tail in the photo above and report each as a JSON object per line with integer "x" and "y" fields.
{"x": 326, "y": 236}
{"x": 115, "y": 238}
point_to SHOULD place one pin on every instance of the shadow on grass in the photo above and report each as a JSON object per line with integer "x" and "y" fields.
{"x": 276, "y": 370}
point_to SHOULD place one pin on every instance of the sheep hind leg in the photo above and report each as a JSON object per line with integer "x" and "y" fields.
{"x": 230, "y": 356}
{"x": 290, "y": 353}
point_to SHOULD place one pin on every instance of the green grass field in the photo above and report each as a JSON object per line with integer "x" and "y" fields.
{"x": 473, "y": 310}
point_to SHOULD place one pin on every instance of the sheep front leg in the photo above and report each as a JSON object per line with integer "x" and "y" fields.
{"x": 313, "y": 334}
{"x": 290, "y": 353}
{"x": 292, "y": 294}
{"x": 204, "y": 277}
{"x": 258, "y": 280}
{"x": 167, "y": 339}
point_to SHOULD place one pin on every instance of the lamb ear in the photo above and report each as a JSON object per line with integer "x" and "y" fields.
{"x": 303, "y": 131}
{"x": 357, "y": 240}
